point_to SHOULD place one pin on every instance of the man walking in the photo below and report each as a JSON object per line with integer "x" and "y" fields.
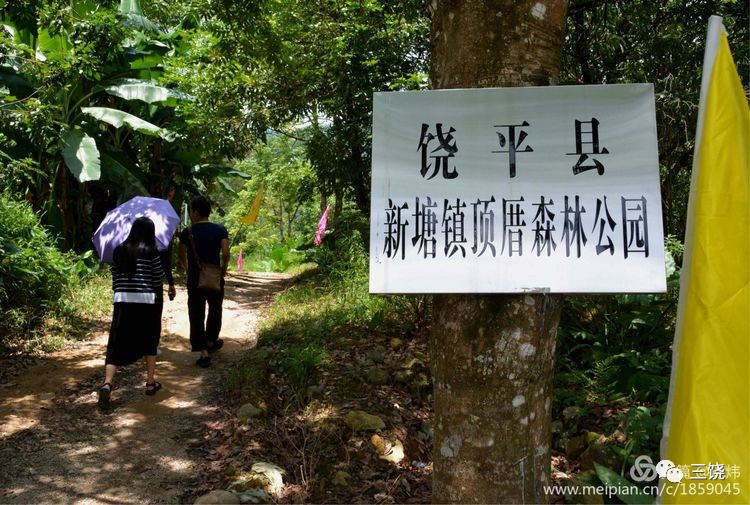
{"x": 210, "y": 242}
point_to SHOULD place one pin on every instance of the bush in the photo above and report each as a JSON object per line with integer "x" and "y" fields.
{"x": 299, "y": 365}
{"x": 614, "y": 347}
{"x": 614, "y": 353}
{"x": 33, "y": 272}
{"x": 331, "y": 302}
{"x": 343, "y": 253}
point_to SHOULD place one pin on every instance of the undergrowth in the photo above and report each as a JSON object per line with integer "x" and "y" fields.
{"x": 613, "y": 352}
{"x": 44, "y": 293}
{"x": 330, "y": 302}
{"x": 613, "y": 363}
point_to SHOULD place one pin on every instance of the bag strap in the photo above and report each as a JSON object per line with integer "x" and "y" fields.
{"x": 195, "y": 250}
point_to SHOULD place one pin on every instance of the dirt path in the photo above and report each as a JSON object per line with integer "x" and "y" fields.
{"x": 56, "y": 447}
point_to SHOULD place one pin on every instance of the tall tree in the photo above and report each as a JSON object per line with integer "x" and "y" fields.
{"x": 492, "y": 354}
{"x": 319, "y": 63}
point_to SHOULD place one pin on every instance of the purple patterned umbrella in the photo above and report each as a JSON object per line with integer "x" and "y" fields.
{"x": 115, "y": 227}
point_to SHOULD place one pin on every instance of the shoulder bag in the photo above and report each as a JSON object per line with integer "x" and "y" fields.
{"x": 209, "y": 275}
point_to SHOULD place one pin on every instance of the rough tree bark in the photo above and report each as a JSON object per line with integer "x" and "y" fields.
{"x": 493, "y": 354}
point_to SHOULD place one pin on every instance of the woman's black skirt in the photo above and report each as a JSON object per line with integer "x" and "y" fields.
{"x": 135, "y": 332}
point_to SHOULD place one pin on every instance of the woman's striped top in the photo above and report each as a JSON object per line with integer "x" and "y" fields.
{"x": 140, "y": 287}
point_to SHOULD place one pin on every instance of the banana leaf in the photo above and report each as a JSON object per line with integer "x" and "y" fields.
{"x": 118, "y": 118}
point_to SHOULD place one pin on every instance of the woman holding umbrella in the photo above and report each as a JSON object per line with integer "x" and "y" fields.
{"x": 136, "y": 279}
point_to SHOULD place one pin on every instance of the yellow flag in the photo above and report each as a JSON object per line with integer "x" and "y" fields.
{"x": 707, "y": 428}
{"x": 252, "y": 215}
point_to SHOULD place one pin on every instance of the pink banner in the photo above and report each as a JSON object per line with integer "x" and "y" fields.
{"x": 322, "y": 224}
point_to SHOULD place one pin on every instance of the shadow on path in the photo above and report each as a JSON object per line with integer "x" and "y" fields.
{"x": 55, "y": 446}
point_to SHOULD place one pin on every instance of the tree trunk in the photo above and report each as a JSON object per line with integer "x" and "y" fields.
{"x": 492, "y": 359}
{"x": 66, "y": 205}
{"x": 339, "y": 202}
{"x": 360, "y": 175}
{"x": 493, "y": 354}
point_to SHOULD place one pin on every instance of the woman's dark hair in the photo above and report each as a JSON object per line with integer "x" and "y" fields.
{"x": 141, "y": 243}
{"x": 201, "y": 205}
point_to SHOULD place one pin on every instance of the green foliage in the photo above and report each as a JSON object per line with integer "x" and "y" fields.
{"x": 624, "y": 41}
{"x": 329, "y": 303}
{"x": 221, "y": 122}
{"x": 674, "y": 249}
{"x": 289, "y": 211}
{"x": 283, "y": 257}
{"x": 643, "y": 427}
{"x": 56, "y": 63}
{"x": 614, "y": 353}
{"x": 34, "y": 274}
{"x": 619, "y": 346}
{"x": 299, "y": 363}
{"x": 247, "y": 375}
{"x": 628, "y": 492}
{"x": 86, "y": 300}
{"x": 344, "y": 255}
{"x": 320, "y": 63}
{"x": 90, "y": 107}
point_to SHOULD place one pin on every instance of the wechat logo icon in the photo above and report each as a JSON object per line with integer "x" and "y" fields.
{"x": 644, "y": 470}
{"x": 667, "y": 470}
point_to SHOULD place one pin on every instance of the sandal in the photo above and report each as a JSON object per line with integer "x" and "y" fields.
{"x": 152, "y": 388}
{"x": 104, "y": 393}
{"x": 215, "y": 346}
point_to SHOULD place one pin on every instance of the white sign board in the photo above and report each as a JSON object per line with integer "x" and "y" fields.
{"x": 514, "y": 190}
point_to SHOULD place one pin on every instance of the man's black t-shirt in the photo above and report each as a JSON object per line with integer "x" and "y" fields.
{"x": 207, "y": 237}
